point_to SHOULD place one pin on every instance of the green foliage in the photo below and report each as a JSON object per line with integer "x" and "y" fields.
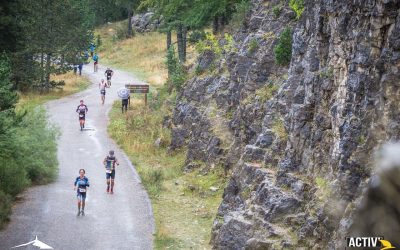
{"x": 35, "y": 133}
{"x": 212, "y": 43}
{"x": 152, "y": 179}
{"x": 277, "y": 9}
{"x": 253, "y": 45}
{"x": 51, "y": 35}
{"x": 107, "y": 11}
{"x": 8, "y": 98}
{"x": 98, "y": 42}
{"x": 27, "y": 145}
{"x": 297, "y": 6}
{"x": 176, "y": 73}
{"x": 283, "y": 50}
{"x": 197, "y": 36}
{"x": 5, "y": 208}
{"x": 241, "y": 9}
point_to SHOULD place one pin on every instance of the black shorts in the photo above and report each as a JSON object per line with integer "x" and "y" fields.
{"x": 81, "y": 196}
{"x": 81, "y": 117}
{"x": 103, "y": 92}
{"x": 110, "y": 175}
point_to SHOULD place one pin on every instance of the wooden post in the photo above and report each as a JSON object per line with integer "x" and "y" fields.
{"x": 145, "y": 99}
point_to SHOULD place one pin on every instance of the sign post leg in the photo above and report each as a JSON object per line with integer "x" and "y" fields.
{"x": 145, "y": 99}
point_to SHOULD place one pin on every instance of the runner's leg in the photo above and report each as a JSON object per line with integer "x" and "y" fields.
{"x": 108, "y": 185}
{"x": 79, "y": 205}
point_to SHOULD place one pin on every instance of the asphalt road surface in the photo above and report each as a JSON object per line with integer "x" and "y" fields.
{"x": 123, "y": 220}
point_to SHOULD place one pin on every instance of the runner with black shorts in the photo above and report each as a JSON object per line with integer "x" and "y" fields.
{"x": 82, "y": 110}
{"x": 110, "y": 162}
{"x": 80, "y": 185}
{"x": 108, "y": 74}
{"x": 102, "y": 87}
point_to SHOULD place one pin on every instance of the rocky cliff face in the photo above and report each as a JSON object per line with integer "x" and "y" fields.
{"x": 298, "y": 141}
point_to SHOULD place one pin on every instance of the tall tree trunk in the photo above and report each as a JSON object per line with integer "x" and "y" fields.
{"x": 215, "y": 25}
{"x": 42, "y": 68}
{"x": 130, "y": 22}
{"x": 48, "y": 57}
{"x": 179, "y": 39}
{"x": 62, "y": 61}
{"x": 169, "y": 39}
{"x": 184, "y": 33}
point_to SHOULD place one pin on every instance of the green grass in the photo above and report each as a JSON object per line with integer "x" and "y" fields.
{"x": 183, "y": 217}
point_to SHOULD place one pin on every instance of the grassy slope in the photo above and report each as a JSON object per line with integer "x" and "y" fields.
{"x": 183, "y": 215}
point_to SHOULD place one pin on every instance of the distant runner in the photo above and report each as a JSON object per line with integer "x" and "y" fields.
{"x": 92, "y": 48}
{"x": 96, "y": 62}
{"x": 109, "y": 162}
{"x": 108, "y": 73}
{"x": 82, "y": 111}
{"x": 102, "y": 87}
{"x": 80, "y": 185}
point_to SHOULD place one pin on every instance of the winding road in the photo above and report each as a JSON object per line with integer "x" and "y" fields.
{"x": 120, "y": 221}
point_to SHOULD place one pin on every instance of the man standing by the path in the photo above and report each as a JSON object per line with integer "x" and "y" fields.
{"x": 109, "y": 162}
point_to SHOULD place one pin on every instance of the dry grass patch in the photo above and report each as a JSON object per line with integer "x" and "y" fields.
{"x": 73, "y": 84}
{"x": 143, "y": 54}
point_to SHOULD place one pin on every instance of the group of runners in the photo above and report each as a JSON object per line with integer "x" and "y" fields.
{"x": 81, "y": 182}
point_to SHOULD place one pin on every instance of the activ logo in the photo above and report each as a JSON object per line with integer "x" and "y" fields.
{"x": 36, "y": 243}
{"x": 368, "y": 242}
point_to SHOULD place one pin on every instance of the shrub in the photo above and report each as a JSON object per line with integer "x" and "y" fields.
{"x": 297, "y": 6}
{"x": 277, "y": 11}
{"x": 196, "y": 36}
{"x": 5, "y": 208}
{"x": 176, "y": 72}
{"x": 253, "y": 45}
{"x": 121, "y": 32}
{"x": 283, "y": 49}
{"x": 37, "y": 147}
{"x": 99, "y": 42}
{"x": 241, "y": 9}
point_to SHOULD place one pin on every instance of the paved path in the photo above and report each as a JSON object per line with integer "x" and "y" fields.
{"x": 112, "y": 222}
